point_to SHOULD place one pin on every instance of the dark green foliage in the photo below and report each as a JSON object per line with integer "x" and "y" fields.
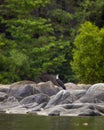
{"x": 28, "y": 41}
{"x": 92, "y": 10}
{"x": 36, "y": 36}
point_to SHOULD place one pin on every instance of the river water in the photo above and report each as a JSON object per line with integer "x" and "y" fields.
{"x": 32, "y": 122}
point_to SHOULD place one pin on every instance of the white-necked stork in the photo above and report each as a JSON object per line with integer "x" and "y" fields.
{"x": 60, "y": 82}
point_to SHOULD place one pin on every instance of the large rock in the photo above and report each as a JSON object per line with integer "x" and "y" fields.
{"x": 71, "y": 86}
{"x": 48, "y": 88}
{"x": 78, "y": 93}
{"x": 61, "y": 109}
{"x": 75, "y": 109}
{"x": 84, "y": 86}
{"x": 37, "y": 98}
{"x": 52, "y": 111}
{"x": 95, "y": 94}
{"x": 62, "y": 97}
{"x": 39, "y": 107}
{"x": 17, "y": 110}
{"x": 4, "y": 88}
{"x": 85, "y": 109}
{"x": 3, "y": 96}
{"x": 23, "y": 89}
{"x": 31, "y": 104}
{"x": 10, "y": 102}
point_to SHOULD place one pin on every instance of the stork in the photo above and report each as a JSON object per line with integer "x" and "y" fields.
{"x": 60, "y": 82}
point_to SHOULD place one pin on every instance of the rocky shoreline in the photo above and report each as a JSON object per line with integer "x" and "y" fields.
{"x": 45, "y": 98}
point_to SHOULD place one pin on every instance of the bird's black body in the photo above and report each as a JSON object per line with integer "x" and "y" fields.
{"x": 60, "y": 82}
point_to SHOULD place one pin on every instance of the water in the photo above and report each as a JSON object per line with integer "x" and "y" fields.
{"x": 32, "y": 122}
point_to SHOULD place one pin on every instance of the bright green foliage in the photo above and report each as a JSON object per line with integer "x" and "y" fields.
{"x": 88, "y": 56}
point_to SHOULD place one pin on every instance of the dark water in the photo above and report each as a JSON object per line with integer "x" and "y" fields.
{"x": 31, "y": 122}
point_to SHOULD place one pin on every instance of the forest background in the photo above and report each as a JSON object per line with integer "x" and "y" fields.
{"x": 52, "y": 36}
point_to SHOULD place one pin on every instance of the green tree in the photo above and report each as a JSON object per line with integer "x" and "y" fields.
{"x": 43, "y": 32}
{"x": 31, "y": 44}
{"x": 90, "y": 10}
{"x": 21, "y": 31}
{"x": 61, "y": 15}
{"x": 88, "y": 54}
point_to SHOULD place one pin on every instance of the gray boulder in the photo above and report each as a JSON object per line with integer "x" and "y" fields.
{"x": 76, "y": 109}
{"x": 78, "y": 93}
{"x": 58, "y": 110}
{"x": 86, "y": 109}
{"x": 95, "y": 94}
{"x": 91, "y": 110}
{"x": 48, "y": 88}
{"x": 39, "y": 107}
{"x": 4, "y": 88}
{"x": 52, "y": 111}
{"x": 10, "y": 102}
{"x": 3, "y": 96}
{"x": 71, "y": 86}
{"x": 62, "y": 97}
{"x": 17, "y": 110}
{"x": 36, "y": 98}
{"x": 23, "y": 89}
{"x": 84, "y": 86}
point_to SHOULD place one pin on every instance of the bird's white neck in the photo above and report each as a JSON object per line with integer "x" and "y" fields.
{"x": 57, "y": 76}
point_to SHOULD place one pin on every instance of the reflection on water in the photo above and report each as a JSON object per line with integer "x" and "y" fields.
{"x": 32, "y": 122}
